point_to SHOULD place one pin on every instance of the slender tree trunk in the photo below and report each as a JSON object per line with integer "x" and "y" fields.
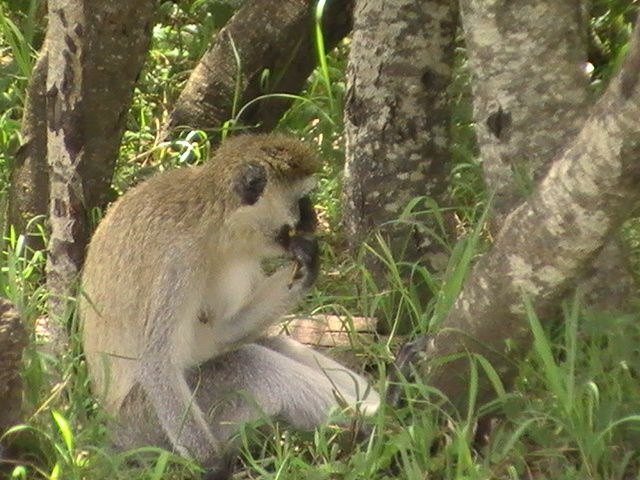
{"x": 29, "y": 188}
{"x": 13, "y": 339}
{"x": 543, "y": 246}
{"x": 95, "y": 52}
{"x": 397, "y": 119}
{"x": 530, "y": 96}
{"x": 283, "y": 44}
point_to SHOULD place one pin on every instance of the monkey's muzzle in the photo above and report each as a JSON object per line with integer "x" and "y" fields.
{"x": 305, "y": 227}
{"x": 306, "y": 255}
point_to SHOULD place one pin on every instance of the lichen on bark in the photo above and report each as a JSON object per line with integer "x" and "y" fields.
{"x": 544, "y": 245}
{"x": 95, "y": 52}
{"x": 531, "y": 96}
{"x": 397, "y": 116}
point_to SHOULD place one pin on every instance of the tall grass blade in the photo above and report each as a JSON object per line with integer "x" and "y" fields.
{"x": 321, "y": 51}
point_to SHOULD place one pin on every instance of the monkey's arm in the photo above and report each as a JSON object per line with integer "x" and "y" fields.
{"x": 180, "y": 417}
{"x": 273, "y": 296}
{"x": 162, "y": 378}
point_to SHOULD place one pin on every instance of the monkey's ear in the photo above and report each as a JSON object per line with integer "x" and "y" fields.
{"x": 250, "y": 184}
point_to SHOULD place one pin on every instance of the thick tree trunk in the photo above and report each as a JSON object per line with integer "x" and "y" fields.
{"x": 530, "y": 97}
{"x": 29, "y": 188}
{"x": 397, "y": 118}
{"x": 529, "y": 87}
{"x": 544, "y": 245}
{"x": 96, "y": 50}
{"x": 13, "y": 339}
{"x": 283, "y": 44}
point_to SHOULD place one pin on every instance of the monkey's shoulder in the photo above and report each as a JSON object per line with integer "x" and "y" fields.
{"x": 173, "y": 197}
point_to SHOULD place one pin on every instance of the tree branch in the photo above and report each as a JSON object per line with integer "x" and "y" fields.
{"x": 29, "y": 187}
{"x": 277, "y": 36}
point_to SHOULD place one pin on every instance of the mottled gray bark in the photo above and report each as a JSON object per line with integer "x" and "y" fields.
{"x": 277, "y": 36}
{"x": 397, "y": 117}
{"x": 530, "y": 90}
{"x": 544, "y": 245}
{"x": 530, "y": 97}
{"x": 13, "y": 339}
{"x": 29, "y": 187}
{"x": 96, "y": 50}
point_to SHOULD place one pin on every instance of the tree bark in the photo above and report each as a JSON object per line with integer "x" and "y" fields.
{"x": 530, "y": 92}
{"x": 13, "y": 339}
{"x": 530, "y": 96}
{"x": 29, "y": 187}
{"x": 544, "y": 245}
{"x": 397, "y": 119}
{"x": 95, "y": 53}
{"x": 283, "y": 44}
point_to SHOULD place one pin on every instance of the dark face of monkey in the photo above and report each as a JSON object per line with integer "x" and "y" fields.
{"x": 305, "y": 226}
{"x": 281, "y": 215}
{"x": 300, "y": 242}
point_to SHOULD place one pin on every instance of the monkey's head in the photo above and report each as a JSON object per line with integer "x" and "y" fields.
{"x": 269, "y": 177}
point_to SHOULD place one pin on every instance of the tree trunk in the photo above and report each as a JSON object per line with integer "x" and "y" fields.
{"x": 96, "y": 50}
{"x": 530, "y": 96}
{"x": 397, "y": 119}
{"x": 544, "y": 245}
{"x": 529, "y": 88}
{"x": 283, "y": 44}
{"x": 13, "y": 339}
{"x": 29, "y": 187}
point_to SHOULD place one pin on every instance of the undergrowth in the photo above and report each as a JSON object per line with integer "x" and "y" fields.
{"x": 574, "y": 412}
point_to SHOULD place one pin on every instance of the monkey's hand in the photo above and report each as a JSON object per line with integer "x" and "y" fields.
{"x": 306, "y": 254}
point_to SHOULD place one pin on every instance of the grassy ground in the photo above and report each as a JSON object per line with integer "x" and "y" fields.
{"x": 574, "y": 412}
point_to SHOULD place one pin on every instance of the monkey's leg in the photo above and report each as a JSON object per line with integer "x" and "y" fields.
{"x": 179, "y": 415}
{"x": 255, "y": 382}
{"x": 349, "y": 385}
{"x": 138, "y": 426}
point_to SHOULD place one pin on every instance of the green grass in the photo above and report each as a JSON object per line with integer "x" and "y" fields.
{"x": 574, "y": 411}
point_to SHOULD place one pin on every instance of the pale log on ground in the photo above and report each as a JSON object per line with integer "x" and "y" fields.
{"x": 95, "y": 51}
{"x": 543, "y": 246}
{"x": 337, "y": 336}
{"x": 531, "y": 96}
{"x": 326, "y": 330}
{"x": 397, "y": 119}
{"x": 267, "y": 35}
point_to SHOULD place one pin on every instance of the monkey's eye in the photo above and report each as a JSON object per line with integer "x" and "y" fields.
{"x": 308, "y": 220}
{"x": 283, "y": 238}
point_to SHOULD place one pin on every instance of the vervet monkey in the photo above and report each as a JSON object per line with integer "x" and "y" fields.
{"x": 174, "y": 303}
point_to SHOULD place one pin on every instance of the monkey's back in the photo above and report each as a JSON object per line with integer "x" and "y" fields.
{"x": 131, "y": 250}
